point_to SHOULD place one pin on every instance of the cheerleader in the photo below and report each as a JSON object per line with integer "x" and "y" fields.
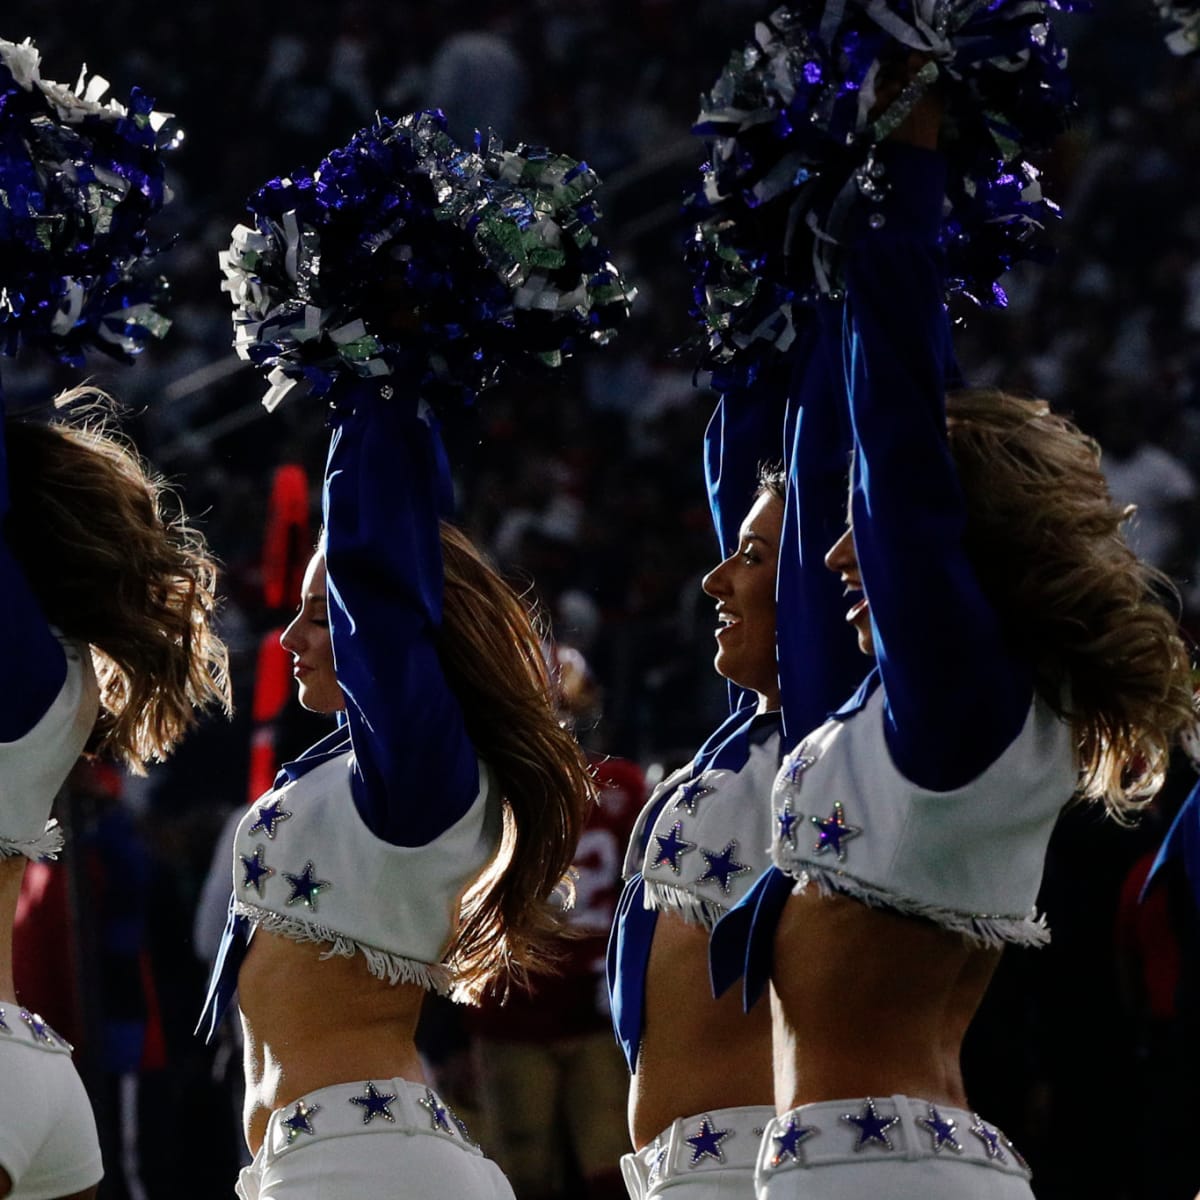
{"x": 417, "y": 847}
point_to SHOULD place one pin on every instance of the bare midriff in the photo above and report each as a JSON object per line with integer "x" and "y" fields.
{"x": 697, "y": 1053}
{"x": 12, "y": 871}
{"x": 311, "y": 1022}
{"x": 866, "y": 1002}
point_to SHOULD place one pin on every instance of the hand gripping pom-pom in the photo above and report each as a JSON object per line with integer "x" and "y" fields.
{"x": 405, "y": 254}
{"x": 79, "y": 181}
{"x": 792, "y": 123}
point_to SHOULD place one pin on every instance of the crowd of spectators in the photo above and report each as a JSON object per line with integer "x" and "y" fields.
{"x": 590, "y": 485}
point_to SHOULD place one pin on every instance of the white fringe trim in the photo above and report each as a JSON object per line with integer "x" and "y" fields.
{"x": 383, "y": 964}
{"x": 695, "y": 910}
{"x": 987, "y": 929}
{"x": 48, "y": 845}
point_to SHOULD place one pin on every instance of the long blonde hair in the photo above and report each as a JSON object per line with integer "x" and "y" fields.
{"x": 1045, "y": 539}
{"x": 492, "y": 656}
{"x": 114, "y": 563}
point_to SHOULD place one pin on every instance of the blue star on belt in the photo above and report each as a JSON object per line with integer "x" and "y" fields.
{"x": 833, "y": 831}
{"x": 787, "y": 823}
{"x": 375, "y": 1103}
{"x": 795, "y": 765}
{"x": 40, "y": 1030}
{"x": 942, "y": 1129}
{"x": 306, "y": 887}
{"x": 707, "y": 1143}
{"x": 300, "y": 1121}
{"x": 722, "y": 867}
{"x": 788, "y": 1143}
{"x": 256, "y": 870}
{"x": 871, "y": 1126}
{"x": 671, "y": 847}
{"x": 989, "y": 1137}
{"x": 690, "y": 793}
{"x": 268, "y": 817}
{"x": 436, "y": 1110}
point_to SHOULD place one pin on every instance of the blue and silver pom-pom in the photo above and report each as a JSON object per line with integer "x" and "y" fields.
{"x": 79, "y": 181}
{"x": 1182, "y": 22}
{"x": 791, "y": 123}
{"x": 406, "y": 254}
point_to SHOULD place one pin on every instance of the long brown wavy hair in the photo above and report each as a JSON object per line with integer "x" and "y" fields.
{"x": 1045, "y": 539}
{"x": 114, "y": 563}
{"x": 491, "y": 652}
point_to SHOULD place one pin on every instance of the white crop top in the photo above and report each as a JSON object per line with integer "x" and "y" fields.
{"x": 307, "y": 867}
{"x": 969, "y": 859}
{"x": 711, "y": 838}
{"x": 35, "y": 766}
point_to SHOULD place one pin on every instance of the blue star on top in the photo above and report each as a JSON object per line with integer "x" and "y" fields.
{"x": 40, "y": 1030}
{"x": 690, "y": 793}
{"x": 722, "y": 867}
{"x": 871, "y": 1126}
{"x": 256, "y": 871}
{"x": 300, "y": 1121}
{"x": 795, "y": 765}
{"x": 942, "y": 1129}
{"x": 833, "y": 832}
{"x": 787, "y": 823}
{"x": 787, "y": 1143}
{"x": 436, "y": 1110}
{"x": 270, "y": 815}
{"x": 989, "y": 1137}
{"x": 375, "y": 1104}
{"x": 306, "y": 887}
{"x": 671, "y": 847}
{"x": 707, "y": 1143}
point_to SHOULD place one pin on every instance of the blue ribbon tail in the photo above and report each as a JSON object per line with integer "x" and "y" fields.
{"x": 742, "y": 944}
{"x": 222, "y": 983}
{"x": 628, "y": 958}
{"x": 1183, "y": 843}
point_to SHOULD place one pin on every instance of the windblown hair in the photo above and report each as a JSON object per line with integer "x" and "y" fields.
{"x": 1045, "y": 539}
{"x": 113, "y": 563}
{"x": 492, "y": 656}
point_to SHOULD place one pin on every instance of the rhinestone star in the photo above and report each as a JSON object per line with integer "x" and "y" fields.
{"x": 691, "y": 793}
{"x": 795, "y": 765}
{"x": 833, "y": 832}
{"x": 943, "y": 1130}
{"x": 722, "y": 867}
{"x": 871, "y": 1126}
{"x": 707, "y": 1143}
{"x": 436, "y": 1110}
{"x": 40, "y": 1030}
{"x": 268, "y": 816}
{"x": 375, "y": 1104}
{"x": 671, "y": 847}
{"x": 787, "y": 823}
{"x": 656, "y": 1166}
{"x": 306, "y": 887}
{"x": 256, "y": 871}
{"x": 300, "y": 1121}
{"x": 787, "y": 1143}
{"x": 1017, "y": 1155}
{"x": 461, "y": 1126}
{"x": 989, "y": 1137}
{"x": 4, "y": 1025}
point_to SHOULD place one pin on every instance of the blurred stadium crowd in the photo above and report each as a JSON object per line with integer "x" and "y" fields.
{"x": 590, "y": 487}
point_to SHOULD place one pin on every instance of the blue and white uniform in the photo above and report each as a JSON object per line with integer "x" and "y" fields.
{"x": 703, "y": 838}
{"x": 934, "y": 789}
{"x": 48, "y": 1143}
{"x": 367, "y": 842}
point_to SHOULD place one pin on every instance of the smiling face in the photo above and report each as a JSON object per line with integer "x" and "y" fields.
{"x": 307, "y": 640}
{"x": 744, "y": 588}
{"x": 842, "y": 560}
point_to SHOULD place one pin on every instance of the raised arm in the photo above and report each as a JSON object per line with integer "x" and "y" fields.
{"x": 955, "y": 696}
{"x": 34, "y": 660}
{"x": 386, "y": 482}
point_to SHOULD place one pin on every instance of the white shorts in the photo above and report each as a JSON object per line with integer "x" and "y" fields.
{"x": 384, "y": 1138}
{"x": 892, "y": 1146}
{"x": 48, "y": 1143}
{"x": 710, "y": 1156}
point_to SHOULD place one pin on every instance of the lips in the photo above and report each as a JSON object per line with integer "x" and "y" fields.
{"x": 300, "y": 670}
{"x": 726, "y": 621}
